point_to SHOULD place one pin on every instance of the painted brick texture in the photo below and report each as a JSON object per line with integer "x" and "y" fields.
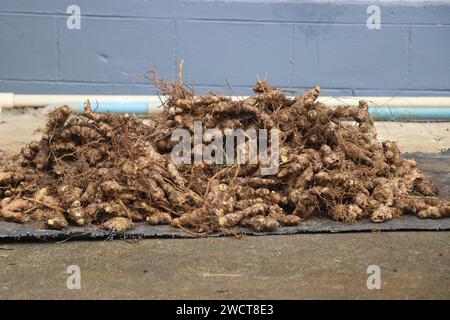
{"x": 297, "y": 44}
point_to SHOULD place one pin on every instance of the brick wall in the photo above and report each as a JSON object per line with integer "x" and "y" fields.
{"x": 298, "y": 44}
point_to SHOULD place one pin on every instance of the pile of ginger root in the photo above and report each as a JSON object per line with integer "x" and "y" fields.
{"x": 112, "y": 170}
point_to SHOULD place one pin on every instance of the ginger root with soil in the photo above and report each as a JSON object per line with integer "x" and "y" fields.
{"x": 111, "y": 170}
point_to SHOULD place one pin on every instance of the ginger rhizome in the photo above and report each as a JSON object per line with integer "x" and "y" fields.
{"x": 112, "y": 170}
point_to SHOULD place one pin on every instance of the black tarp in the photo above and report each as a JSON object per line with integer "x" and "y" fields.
{"x": 436, "y": 166}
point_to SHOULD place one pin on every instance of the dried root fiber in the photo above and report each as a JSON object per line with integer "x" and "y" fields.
{"x": 112, "y": 170}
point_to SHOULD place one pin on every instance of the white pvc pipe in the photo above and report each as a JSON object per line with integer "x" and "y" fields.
{"x": 11, "y": 100}
{"x": 392, "y": 102}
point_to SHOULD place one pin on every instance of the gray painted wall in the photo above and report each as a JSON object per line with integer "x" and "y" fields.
{"x": 298, "y": 44}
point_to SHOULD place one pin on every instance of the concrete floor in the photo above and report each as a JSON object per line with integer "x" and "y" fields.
{"x": 414, "y": 265}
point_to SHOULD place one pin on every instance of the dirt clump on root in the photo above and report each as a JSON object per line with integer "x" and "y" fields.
{"x": 111, "y": 170}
